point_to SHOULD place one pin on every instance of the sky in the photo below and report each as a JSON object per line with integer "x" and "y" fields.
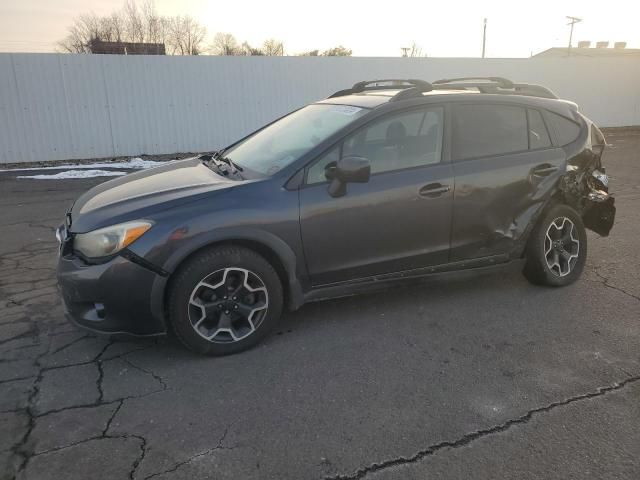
{"x": 441, "y": 29}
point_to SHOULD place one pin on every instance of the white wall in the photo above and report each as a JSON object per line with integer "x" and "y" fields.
{"x": 61, "y": 106}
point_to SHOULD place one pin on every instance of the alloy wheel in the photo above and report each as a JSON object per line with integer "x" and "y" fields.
{"x": 228, "y": 305}
{"x": 561, "y": 246}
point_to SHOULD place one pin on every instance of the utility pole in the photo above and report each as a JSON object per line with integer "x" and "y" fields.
{"x": 572, "y": 22}
{"x": 484, "y": 37}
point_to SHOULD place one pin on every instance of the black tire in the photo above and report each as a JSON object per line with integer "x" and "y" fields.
{"x": 537, "y": 269}
{"x": 202, "y": 266}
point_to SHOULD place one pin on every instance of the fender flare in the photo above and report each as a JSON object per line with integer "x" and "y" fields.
{"x": 279, "y": 247}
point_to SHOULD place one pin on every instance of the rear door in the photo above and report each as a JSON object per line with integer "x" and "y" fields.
{"x": 505, "y": 167}
{"x": 399, "y": 220}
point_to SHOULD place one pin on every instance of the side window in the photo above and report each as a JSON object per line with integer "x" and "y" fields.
{"x": 538, "y": 135}
{"x": 317, "y": 170}
{"x": 406, "y": 140}
{"x": 378, "y": 131}
{"x": 566, "y": 130}
{"x": 485, "y": 130}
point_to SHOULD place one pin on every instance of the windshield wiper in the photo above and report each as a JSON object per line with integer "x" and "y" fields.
{"x": 219, "y": 156}
{"x": 221, "y": 163}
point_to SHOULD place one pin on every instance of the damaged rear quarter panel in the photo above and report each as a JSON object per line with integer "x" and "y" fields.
{"x": 585, "y": 186}
{"x": 496, "y": 199}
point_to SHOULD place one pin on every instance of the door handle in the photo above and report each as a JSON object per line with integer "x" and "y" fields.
{"x": 433, "y": 190}
{"x": 543, "y": 170}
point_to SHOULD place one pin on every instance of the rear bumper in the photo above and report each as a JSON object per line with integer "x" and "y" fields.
{"x": 114, "y": 297}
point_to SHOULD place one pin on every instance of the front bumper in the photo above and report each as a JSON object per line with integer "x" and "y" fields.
{"x": 113, "y": 297}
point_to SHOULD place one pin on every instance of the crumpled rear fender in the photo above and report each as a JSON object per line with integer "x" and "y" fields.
{"x": 585, "y": 186}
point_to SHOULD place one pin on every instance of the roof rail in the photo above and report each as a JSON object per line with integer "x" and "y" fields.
{"x": 414, "y": 86}
{"x": 498, "y": 85}
{"x": 533, "y": 90}
{"x": 501, "y": 81}
{"x": 410, "y": 88}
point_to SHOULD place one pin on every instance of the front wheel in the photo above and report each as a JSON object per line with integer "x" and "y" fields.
{"x": 557, "y": 249}
{"x": 224, "y": 300}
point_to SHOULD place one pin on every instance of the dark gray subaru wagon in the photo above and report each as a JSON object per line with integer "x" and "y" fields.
{"x": 387, "y": 180}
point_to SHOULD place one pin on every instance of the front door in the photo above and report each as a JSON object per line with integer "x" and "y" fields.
{"x": 400, "y": 220}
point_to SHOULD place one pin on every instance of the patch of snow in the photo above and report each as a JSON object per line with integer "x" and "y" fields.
{"x": 136, "y": 163}
{"x": 75, "y": 174}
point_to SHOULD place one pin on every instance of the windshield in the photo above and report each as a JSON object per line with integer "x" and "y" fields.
{"x": 286, "y": 140}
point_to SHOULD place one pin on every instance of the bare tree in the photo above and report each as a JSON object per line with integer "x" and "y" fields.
{"x": 182, "y": 35}
{"x": 116, "y": 26}
{"x": 186, "y": 35}
{"x": 133, "y": 21}
{"x": 273, "y": 47}
{"x": 109, "y": 29}
{"x": 224, "y": 44}
{"x": 247, "y": 49}
{"x": 310, "y": 53}
{"x": 154, "y": 24}
{"x": 414, "y": 51}
{"x": 338, "y": 51}
{"x": 84, "y": 29}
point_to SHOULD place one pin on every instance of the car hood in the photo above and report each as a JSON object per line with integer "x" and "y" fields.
{"x": 143, "y": 193}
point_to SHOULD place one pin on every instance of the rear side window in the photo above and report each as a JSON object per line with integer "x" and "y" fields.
{"x": 486, "y": 130}
{"x": 538, "y": 134}
{"x": 566, "y": 130}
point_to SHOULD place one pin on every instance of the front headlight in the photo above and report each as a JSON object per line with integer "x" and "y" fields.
{"x": 109, "y": 240}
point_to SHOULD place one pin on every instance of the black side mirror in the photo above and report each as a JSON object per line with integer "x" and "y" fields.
{"x": 350, "y": 169}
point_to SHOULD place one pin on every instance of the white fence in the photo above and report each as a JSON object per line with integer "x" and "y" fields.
{"x": 57, "y": 106}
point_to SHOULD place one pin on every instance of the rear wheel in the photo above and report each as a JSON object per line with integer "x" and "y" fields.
{"x": 557, "y": 249}
{"x": 224, "y": 300}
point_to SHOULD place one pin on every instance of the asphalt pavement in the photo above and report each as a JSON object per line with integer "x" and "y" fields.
{"x": 475, "y": 376}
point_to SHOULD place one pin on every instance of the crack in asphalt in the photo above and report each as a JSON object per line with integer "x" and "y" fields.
{"x": 158, "y": 378}
{"x": 27, "y": 286}
{"x": 90, "y": 404}
{"x": 64, "y": 347}
{"x": 138, "y": 461}
{"x": 22, "y": 449}
{"x": 17, "y": 379}
{"x": 478, "y": 434}
{"x": 20, "y": 303}
{"x": 112, "y": 417}
{"x": 25, "y": 260}
{"x": 143, "y": 445}
{"x": 98, "y": 361}
{"x": 605, "y": 282}
{"x": 219, "y": 446}
{"x": 19, "y": 448}
{"x": 26, "y": 334}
